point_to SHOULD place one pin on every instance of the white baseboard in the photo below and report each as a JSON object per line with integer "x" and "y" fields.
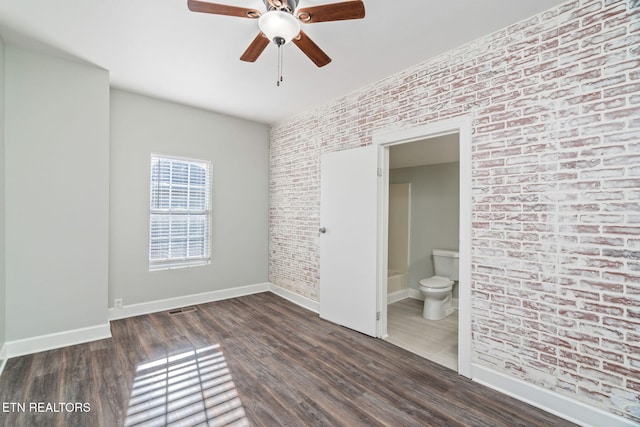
{"x": 413, "y": 294}
{"x": 397, "y": 296}
{"x": 203, "y": 298}
{"x": 295, "y": 298}
{"x": 404, "y": 294}
{"x": 183, "y": 301}
{"x": 552, "y": 402}
{"x": 60, "y": 339}
{"x": 79, "y": 336}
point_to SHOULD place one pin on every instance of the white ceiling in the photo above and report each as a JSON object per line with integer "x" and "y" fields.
{"x": 160, "y": 48}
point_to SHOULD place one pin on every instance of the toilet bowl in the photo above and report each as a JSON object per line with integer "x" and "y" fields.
{"x": 437, "y": 297}
{"x": 437, "y": 290}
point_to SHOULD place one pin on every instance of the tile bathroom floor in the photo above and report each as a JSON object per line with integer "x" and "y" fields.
{"x": 436, "y": 340}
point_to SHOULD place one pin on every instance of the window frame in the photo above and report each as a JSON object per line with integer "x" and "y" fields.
{"x": 173, "y": 262}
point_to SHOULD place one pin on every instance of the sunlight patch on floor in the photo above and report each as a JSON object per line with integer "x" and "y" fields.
{"x": 187, "y": 389}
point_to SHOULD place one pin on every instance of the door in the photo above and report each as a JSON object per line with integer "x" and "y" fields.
{"x": 348, "y": 238}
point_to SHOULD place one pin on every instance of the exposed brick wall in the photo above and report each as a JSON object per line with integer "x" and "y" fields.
{"x": 555, "y": 102}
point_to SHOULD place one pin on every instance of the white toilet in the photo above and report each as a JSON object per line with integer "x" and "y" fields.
{"x": 437, "y": 289}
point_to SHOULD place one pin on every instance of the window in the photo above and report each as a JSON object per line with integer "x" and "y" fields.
{"x": 180, "y": 213}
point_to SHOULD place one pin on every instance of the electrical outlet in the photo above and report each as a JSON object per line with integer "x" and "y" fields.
{"x": 117, "y": 303}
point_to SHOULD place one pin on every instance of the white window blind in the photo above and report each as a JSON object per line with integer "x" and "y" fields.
{"x": 180, "y": 212}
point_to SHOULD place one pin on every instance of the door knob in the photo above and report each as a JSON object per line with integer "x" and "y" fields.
{"x": 322, "y": 229}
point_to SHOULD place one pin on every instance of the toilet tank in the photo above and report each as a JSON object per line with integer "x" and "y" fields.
{"x": 445, "y": 263}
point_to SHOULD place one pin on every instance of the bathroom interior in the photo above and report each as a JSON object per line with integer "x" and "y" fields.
{"x": 424, "y": 206}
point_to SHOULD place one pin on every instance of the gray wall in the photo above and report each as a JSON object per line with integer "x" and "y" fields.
{"x": 238, "y": 150}
{"x": 57, "y": 194}
{"x": 3, "y": 304}
{"x": 435, "y": 207}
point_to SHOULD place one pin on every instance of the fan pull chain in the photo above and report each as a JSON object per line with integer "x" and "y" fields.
{"x": 279, "y": 65}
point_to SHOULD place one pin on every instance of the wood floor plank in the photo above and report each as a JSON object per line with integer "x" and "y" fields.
{"x": 256, "y": 360}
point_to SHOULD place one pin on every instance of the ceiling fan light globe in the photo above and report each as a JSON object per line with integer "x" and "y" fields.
{"x": 277, "y": 24}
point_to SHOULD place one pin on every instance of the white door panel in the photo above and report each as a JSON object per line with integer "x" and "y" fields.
{"x": 348, "y": 252}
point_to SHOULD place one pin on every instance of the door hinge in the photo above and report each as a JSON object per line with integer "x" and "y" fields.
{"x": 378, "y": 315}
{"x": 379, "y": 171}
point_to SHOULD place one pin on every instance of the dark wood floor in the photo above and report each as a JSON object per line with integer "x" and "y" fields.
{"x": 256, "y": 360}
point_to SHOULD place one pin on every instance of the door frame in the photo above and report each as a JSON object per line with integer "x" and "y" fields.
{"x": 386, "y": 138}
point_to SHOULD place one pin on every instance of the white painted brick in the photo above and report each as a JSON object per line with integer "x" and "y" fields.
{"x": 554, "y": 102}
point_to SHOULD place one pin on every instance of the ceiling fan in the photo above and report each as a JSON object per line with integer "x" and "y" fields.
{"x": 280, "y": 23}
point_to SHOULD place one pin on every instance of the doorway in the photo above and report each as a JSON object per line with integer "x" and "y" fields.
{"x": 442, "y": 136}
{"x": 423, "y": 222}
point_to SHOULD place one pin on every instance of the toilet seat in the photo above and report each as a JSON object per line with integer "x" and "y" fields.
{"x": 436, "y": 282}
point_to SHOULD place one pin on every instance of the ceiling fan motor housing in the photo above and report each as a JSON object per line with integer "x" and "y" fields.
{"x": 284, "y": 5}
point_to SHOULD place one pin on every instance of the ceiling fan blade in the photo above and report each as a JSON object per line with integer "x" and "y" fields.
{"x": 222, "y": 9}
{"x": 309, "y": 48}
{"x": 255, "y": 48}
{"x": 332, "y": 12}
